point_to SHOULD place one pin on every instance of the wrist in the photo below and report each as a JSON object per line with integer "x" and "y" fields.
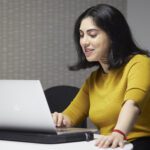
{"x": 120, "y": 132}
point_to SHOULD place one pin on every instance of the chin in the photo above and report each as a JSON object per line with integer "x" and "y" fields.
{"x": 91, "y": 59}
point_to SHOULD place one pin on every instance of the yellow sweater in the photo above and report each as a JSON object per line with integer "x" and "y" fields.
{"x": 102, "y": 96}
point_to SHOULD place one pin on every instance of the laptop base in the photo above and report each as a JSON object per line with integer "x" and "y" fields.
{"x": 45, "y": 138}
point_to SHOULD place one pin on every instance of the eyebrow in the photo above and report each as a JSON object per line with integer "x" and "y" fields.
{"x": 89, "y": 30}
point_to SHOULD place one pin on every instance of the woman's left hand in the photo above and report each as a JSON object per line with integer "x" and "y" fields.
{"x": 113, "y": 140}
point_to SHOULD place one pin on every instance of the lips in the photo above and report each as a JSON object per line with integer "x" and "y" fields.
{"x": 88, "y": 51}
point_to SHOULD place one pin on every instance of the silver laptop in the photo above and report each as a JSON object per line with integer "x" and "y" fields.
{"x": 23, "y": 106}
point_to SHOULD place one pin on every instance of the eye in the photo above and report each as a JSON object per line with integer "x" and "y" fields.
{"x": 81, "y": 35}
{"x": 93, "y": 35}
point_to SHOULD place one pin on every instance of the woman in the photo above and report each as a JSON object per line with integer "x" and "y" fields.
{"x": 116, "y": 96}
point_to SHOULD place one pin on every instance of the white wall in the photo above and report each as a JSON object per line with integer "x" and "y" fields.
{"x": 138, "y": 16}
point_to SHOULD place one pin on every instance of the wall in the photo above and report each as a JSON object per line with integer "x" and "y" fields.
{"x": 138, "y": 15}
{"x": 36, "y": 39}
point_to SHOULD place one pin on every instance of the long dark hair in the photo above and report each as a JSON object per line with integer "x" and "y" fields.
{"x": 111, "y": 21}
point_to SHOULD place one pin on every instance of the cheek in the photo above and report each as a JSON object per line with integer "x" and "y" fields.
{"x": 80, "y": 43}
{"x": 103, "y": 45}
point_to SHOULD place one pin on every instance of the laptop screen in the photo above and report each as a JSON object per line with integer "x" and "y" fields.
{"x": 23, "y": 106}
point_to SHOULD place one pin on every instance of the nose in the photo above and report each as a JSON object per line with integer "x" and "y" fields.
{"x": 84, "y": 41}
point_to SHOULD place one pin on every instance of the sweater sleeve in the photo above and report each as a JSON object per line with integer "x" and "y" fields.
{"x": 138, "y": 82}
{"x": 78, "y": 110}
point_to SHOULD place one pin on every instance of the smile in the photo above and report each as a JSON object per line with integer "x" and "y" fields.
{"x": 88, "y": 49}
{"x": 88, "y": 52}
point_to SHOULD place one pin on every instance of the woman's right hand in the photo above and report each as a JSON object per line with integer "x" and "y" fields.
{"x": 61, "y": 120}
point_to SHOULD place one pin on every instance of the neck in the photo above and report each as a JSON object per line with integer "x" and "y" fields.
{"x": 105, "y": 68}
{"x": 104, "y": 65}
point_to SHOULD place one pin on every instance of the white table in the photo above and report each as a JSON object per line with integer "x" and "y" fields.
{"x": 11, "y": 145}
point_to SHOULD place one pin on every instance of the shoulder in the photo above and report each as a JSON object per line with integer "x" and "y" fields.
{"x": 137, "y": 60}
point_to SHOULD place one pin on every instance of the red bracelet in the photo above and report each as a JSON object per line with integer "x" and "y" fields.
{"x": 119, "y": 131}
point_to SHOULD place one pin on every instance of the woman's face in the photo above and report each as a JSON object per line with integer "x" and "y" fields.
{"x": 94, "y": 41}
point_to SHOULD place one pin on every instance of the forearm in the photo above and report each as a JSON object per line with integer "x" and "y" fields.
{"x": 128, "y": 116}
